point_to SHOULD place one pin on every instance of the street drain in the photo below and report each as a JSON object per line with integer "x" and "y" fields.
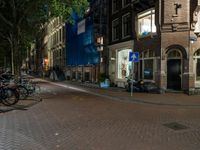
{"x": 175, "y": 126}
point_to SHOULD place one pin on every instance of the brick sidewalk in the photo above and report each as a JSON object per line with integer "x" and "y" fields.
{"x": 68, "y": 119}
{"x": 170, "y": 99}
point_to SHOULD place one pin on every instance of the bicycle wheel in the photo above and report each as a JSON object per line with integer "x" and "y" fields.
{"x": 23, "y": 92}
{"x": 12, "y": 97}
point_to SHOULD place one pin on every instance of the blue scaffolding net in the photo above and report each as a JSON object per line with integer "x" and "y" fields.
{"x": 80, "y": 48}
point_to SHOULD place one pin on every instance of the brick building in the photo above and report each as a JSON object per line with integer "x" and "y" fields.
{"x": 120, "y": 40}
{"x": 166, "y": 34}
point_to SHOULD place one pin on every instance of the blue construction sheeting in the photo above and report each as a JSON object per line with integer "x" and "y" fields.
{"x": 80, "y": 48}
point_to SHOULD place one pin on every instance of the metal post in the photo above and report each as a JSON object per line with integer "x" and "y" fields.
{"x": 132, "y": 77}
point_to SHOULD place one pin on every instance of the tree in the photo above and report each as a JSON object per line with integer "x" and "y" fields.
{"x": 4, "y": 56}
{"x": 21, "y": 19}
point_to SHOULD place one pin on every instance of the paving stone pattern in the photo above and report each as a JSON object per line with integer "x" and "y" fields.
{"x": 67, "y": 119}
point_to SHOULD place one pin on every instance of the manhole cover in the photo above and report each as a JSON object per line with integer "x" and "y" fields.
{"x": 175, "y": 126}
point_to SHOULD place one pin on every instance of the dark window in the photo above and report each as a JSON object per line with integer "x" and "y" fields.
{"x": 126, "y": 2}
{"x": 60, "y": 33}
{"x": 115, "y": 5}
{"x": 87, "y": 76}
{"x": 141, "y": 68}
{"x": 73, "y": 75}
{"x": 79, "y": 76}
{"x": 198, "y": 69}
{"x": 148, "y": 69}
{"x": 126, "y": 25}
{"x": 115, "y": 30}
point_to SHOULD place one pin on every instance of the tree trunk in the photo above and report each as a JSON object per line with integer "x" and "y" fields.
{"x": 12, "y": 59}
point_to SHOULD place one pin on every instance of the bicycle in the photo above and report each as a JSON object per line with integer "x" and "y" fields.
{"x": 8, "y": 95}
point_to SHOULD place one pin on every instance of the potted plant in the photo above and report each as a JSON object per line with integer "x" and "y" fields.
{"x": 104, "y": 80}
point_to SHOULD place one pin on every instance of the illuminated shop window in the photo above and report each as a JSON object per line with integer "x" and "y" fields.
{"x": 146, "y": 23}
{"x": 123, "y": 66}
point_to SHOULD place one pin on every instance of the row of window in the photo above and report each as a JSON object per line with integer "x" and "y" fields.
{"x": 116, "y": 4}
{"x": 57, "y": 37}
{"x": 55, "y": 23}
{"x": 146, "y": 25}
{"x": 126, "y": 27}
{"x": 147, "y": 64}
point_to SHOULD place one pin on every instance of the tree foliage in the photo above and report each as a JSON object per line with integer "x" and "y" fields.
{"x": 21, "y": 19}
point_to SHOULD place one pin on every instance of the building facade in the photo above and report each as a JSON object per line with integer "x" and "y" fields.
{"x": 121, "y": 41}
{"x": 56, "y": 43}
{"x": 85, "y": 58}
{"x": 81, "y": 52}
{"x": 168, "y": 41}
{"x": 166, "y": 35}
{"x": 39, "y": 51}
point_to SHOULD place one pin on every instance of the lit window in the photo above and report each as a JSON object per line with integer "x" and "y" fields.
{"x": 126, "y": 25}
{"x": 146, "y": 23}
{"x": 197, "y": 26}
{"x": 124, "y": 65}
{"x": 115, "y": 30}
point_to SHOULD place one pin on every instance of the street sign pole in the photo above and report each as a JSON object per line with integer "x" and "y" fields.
{"x": 133, "y": 57}
{"x": 132, "y": 78}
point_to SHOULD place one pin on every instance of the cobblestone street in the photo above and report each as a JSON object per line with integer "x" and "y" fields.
{"x": 77, "y": 118}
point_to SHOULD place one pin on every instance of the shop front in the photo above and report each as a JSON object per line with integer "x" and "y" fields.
{"x": 120, "y": 67}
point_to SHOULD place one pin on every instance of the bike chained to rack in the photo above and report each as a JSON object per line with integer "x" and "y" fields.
{"x": 12, "y": 90}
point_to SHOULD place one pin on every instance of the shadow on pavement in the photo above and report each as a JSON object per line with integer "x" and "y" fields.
{"x": 21, "y": 105}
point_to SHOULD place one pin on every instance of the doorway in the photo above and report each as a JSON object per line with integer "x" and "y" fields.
{"x": 174, "y": 70}
{"x": 174, "y": 74}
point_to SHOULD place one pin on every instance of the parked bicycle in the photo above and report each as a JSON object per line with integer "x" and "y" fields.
{"x": 8, "y": 94}
{"x": 24, "y": 86}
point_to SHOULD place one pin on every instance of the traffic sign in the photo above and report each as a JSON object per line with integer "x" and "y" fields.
{"x": 134, "y": 56}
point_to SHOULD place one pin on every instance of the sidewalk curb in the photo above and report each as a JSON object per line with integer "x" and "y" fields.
{"x": 122, "y": 99}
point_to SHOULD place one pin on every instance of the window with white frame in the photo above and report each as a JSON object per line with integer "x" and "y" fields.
{"x": 147, "y": 66}
{"x": 125, "y": 2}
{"x": 115, "y": 29}
{"x": 124, "y": 66}
{"x": 197, "y": 26}
{"x": 146, "y": 23}
{"x": 115, "y": 6}
{"x": 126, "y": 25}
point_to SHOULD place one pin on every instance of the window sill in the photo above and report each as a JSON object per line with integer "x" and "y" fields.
{"x": 114, "y": 40}
{"x": 125, "y": 6}
{"x": 149, "y": 80}
{"x": 114, "y": 12}
{"x": 125, "y": 37}
{"x": 146, "y": 36}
